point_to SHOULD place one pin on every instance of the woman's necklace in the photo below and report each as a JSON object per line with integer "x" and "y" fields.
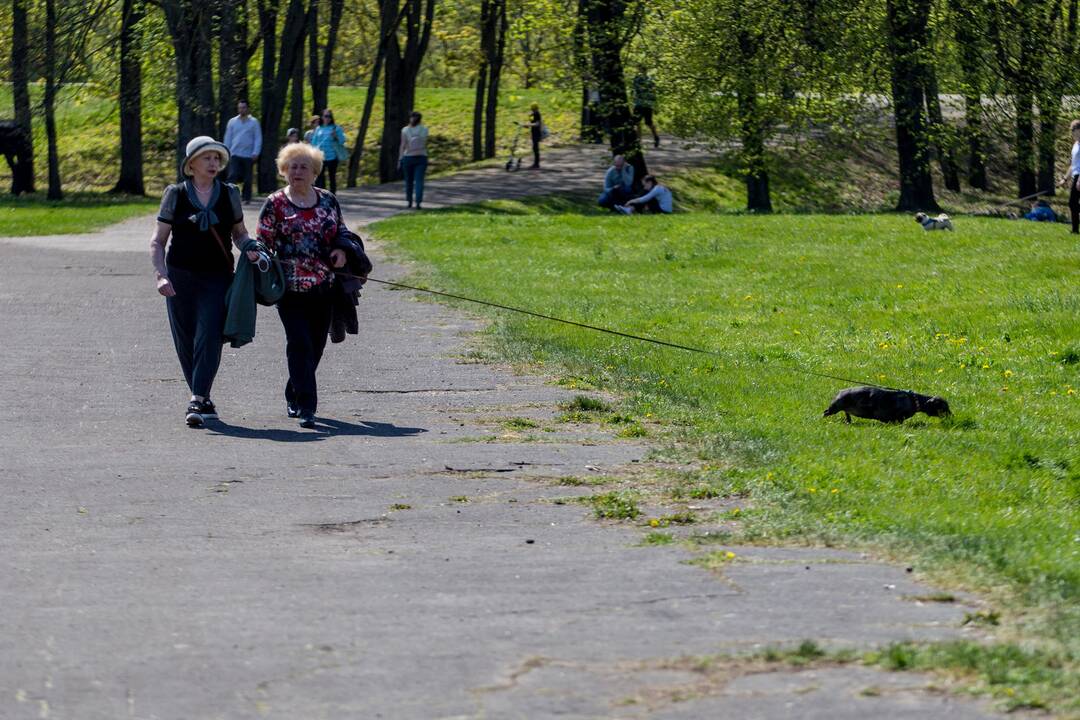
{"x": 307, "y": 201}
{"x": 203, "y": 193}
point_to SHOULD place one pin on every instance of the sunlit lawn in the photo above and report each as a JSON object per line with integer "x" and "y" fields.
{"x": 987, "y": 316}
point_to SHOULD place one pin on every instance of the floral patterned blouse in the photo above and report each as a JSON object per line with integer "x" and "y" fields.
{"x": 302, "y": 237}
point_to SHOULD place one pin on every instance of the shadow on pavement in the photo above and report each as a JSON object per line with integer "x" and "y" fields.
{"x": 324, "y": 428}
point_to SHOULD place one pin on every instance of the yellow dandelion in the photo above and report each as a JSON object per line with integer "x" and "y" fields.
{"x": 729, "y": 555}
{"x": 1005, "y": 388}
{"x": 654, "y": 523}
{"x": 899, "y": 285}
{"x": 883, "y": 345}
{"x": 748, "y": 297}
{"x": 986, "y": 366}
{"x": 796, "y": 332}
{"x": 1070, "y": 392}
{"x": 811, "y": 490}
{"x": 834, "y": 491}
{"x": 940, "y": 370}
{"x": 1008, "y": 373}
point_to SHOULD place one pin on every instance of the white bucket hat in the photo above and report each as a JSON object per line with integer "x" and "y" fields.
{"x": 204, "y": 144}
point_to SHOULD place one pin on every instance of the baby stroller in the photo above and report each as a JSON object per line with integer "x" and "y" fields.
{"x": 514, "y": 163}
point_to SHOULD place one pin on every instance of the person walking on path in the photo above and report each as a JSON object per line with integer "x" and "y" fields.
{"x": 643, "y": 91}
{"x": 303, "y": 224}
{"x": 536, "y": 130}
{"x": 330, "y": 138}
{"x": 657, "y": 199}
{"x": 414, "y": 159}
{"x": 618, "y": 183}
{"x": 243, "y": 138}
{"x": 1072, "y": 179}
{"x": 195, "y": 273}
{"x": 315, "y": 121}
{"x": 292, "y": 136}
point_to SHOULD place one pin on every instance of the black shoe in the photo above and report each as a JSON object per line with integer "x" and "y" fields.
{"x": 209, "y": 412}
{"x": 194, "y": 416}
{"x": 307, "y": 420}
{"x": 292, "y": 409}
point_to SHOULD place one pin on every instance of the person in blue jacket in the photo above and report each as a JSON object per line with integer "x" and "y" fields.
{"x": 1041, "y": 212}
{"x": 330, "y": 138}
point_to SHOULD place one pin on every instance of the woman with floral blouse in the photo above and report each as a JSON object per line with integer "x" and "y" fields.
{"x": 303, "y": 224}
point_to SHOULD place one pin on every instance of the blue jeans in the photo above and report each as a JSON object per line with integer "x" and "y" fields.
{"x": 197, "y": 321}
{"x": 414, "y": 167}
{"x": 612, "y": 197}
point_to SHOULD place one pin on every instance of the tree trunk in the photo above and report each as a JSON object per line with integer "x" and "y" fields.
{"x": 494, "y": 77}
{"x": 402, "y": 64}
{"x": 23, "y": 173}
{"x": 753, "y": 129}
{"x": 365, "y": 119}
{"x": 296, "y": 98}
{"x": 907, "y": 30}
{"x": 293, "y": 33}
{"x": 313, "y": 57}
{"x": 478, "y": 110}
{"x": 55, "y": 191}
{"x": 940, "y": 131}
{"x": 131, "y": 150}
{"x": 268, "y": 12}
{"x": 967, "y": 41}
{"x": 189, "y": 24}
{"x": 1024, "y": 139}
{"x": 232, "y": 64}
{"x": 1049, "y": 114}
{"x": 321, "y": 89}
{"x": 604, "y": 20}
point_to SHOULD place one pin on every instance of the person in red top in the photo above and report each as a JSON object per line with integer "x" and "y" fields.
{"x": 303, "y": 225}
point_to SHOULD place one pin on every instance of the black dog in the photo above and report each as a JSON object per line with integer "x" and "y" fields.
{"x": 888, "y": 406}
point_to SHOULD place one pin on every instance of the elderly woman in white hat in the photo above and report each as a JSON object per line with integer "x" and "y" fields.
{"x": 201, "y": 215}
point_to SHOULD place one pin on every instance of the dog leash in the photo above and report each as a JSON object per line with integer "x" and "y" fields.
{"x": 609, "y": 331}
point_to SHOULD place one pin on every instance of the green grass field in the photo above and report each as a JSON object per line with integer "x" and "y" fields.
{"x": 986, "y": 316}
{"x": 79, "y": 212}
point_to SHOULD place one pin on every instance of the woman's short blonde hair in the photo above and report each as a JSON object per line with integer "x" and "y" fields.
{"x": 298, "y": 151}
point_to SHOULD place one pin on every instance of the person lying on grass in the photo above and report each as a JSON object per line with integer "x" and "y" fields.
{"x": 657, "y": 199}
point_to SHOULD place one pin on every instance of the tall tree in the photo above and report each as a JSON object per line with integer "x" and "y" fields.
{"x": 970, "y": 22}
{"x": 319, "y": 70}
{"x": 493, "y": 22}
{"x": 23, "y": 175}
{"x": 402, "y": 65}
{"x": 55, "y": 191}
{"x": 609, "y": 25}
{"x": 232, "y": 59}
{"x": 131, "y": 145}
{"x": 189, "y": 23}
{"x": 276, "y": 74}
{"x": 906, "y": 25}
{"x": 940, "y": 131}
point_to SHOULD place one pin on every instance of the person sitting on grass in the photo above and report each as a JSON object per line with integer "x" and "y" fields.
{"x": 618, "y": 183}
{"x": 657, "y": 199}
{"x": 1041, "y": 212}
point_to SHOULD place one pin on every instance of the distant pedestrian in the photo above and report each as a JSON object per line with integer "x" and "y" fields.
{"x": 330, "y": 138}
{"x": 1073, "y": 178}
{"x": 243, "y": 138}
{"x": 414, "y": 159}
{"x": 303, "y": 225}
{"x": 657, "y": 199}
{"x": 292, "y": 136}
{"x": 536, "y": 131}
{"x": 198, "y": 215}
{"x": 643, "y": 91}
{"x": 313, "y": 123}
{"x": 618, "y": 183}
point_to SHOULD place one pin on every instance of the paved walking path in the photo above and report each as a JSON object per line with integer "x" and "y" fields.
{"x": 404, "y": 560}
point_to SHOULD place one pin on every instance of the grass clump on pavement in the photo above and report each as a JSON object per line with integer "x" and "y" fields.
{"x": 985, "y": 316}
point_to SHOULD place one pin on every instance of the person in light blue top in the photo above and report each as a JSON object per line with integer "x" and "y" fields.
{"x": 330, "y": 138}
{"x": 243, "y": 138}
{"x": 618, "y": 183}
{"x": 657, "y": 199}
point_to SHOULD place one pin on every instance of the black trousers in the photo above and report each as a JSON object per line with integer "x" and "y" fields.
{"x": 306, "y": 319}
{"x": 197, "y": 320}
{"x": 1074, "y": 204}
{"x": 536, "y": 149}
{"x": 240, "y": 172}
{"x": 329, "y": 168}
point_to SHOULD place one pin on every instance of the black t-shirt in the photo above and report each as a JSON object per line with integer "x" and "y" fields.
{"x": 538, "y": 125}
{"x": 193, "y": 249}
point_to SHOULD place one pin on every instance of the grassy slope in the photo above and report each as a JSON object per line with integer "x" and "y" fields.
{"x": 76, "y": 213}
{"x": 88, "y": 125}
{"x": 985, "y": 316}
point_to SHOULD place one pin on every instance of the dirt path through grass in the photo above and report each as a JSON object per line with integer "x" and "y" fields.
{"x": 419, "y": 555}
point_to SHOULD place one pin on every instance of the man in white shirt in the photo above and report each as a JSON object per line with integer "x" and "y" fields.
{"x": 243, "y": 137}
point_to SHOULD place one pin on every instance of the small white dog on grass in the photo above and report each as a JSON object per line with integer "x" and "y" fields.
{"x": 941, "y": 222}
